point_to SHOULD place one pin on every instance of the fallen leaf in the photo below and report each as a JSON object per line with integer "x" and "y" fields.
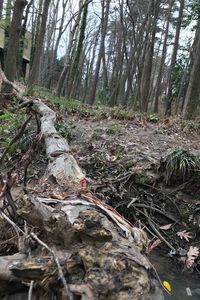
{"x": 184, "y": 234}
{"x": 57, "y": 196}
{"x": 192, "y": 254}
{"x": 153, "y": 245}
{"x": 166, "y": 227}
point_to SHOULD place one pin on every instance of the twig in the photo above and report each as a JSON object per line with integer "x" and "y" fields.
{"x": 159, "y": 280}
{"x": 16, "y": 137}
{"x": 165, "y": 195}
{"x": 15, "y": 226}
{"x": 157, "y": 232}
{"x": 69, "y": 294}
{"x": 30, "y": 290}
{"x": 8, "y": 195}
{"x": 156, "y": 210}
{"x": 11, "y": 203}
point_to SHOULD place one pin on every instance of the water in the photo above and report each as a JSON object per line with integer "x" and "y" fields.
{"x": 169, "y": 270}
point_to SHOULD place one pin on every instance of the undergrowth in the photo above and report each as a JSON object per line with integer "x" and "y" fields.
{"x": 178, "y": 165}
{"x": 84, "y": 110}
{"x": 10, "y": 122}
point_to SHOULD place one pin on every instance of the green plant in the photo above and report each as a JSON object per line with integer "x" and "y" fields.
{"x": 178, "y": 165}
{"x": 113, "y": 129}
{"x": 66, "y": 130}
{"x": 153, "y": 118}
{"x": 9, "y": 125}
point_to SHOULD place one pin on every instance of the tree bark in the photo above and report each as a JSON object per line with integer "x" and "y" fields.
{"x": 144, "y": 87}
{"x": 105, "y": 14}
{"x": 34, "y": 73}
{"x": 173, "y": 60}
{"x": 193, "y": 90}
{"x": 164, "y": 50}
{"x": 13, "y": 44}
{"x": 22, "y": 38}
{"x": 66, "y": 67}
{"x": 75, "y": 63}
{"x": 1, "y": 8}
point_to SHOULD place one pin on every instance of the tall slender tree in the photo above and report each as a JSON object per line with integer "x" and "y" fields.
{"x": 193, "y": 91}
{"x": 173, "y": 59}
{"x": 104, "y": 20}
{"x": 34, "y": 73}
{"x": 13, "y": 44}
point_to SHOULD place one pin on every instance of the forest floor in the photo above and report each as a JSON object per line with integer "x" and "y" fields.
{"x": 123, "y": 156}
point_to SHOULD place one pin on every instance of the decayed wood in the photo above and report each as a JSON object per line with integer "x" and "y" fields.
{"x": 101, "y": 253}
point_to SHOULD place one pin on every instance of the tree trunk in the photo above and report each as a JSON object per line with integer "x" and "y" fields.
{"x": 105, "y": 14}
{"x": 13, "y": 44}
{"x": 173, "y": 60}
{"x": 34, "y": 73}
{"x": 144, "y": 88}
{"x": 193, "y": 90}
{"x": 164, "y": 50}
{"x": 66, "y": 67}
{"x": 75, "y": 63}
{"x": 22, "y": 39}
{"x": 1, "y": 8}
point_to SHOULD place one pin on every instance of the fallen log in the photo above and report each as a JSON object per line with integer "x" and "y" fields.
{"x": 79, "y": 246}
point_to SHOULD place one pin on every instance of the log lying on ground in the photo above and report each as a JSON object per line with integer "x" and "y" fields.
{"x": 85, "y": 248}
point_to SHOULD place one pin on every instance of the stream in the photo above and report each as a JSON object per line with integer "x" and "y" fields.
{"x": 184, "y": 286}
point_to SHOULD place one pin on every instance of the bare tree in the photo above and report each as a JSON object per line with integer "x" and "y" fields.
{"x": 162, "y": 62}
{"x": 193, "y": 90}
{"x": 104, "y": 20}
{"x": 13, "y": 44}
{"x": 173, "y": 59}
{"x": 34, "y": 73}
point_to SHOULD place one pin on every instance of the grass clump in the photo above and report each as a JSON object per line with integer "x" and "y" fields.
{"x": 179, "y": 165}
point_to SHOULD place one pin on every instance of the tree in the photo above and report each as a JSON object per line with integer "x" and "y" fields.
{"x": 69, "y": 51}
{"x": 22, "y": 38}
{"x": 104, "y": 20}
{"x": 13, "y": 44}
{"x": 34, "y": 73}
{"x": 173, "y": 59}
{"x": 75, "y": 63}
{"x": 144, "y": 88}
{"x": 1, "y": 8}
{"x": 164, "y": 51}
{"x": 193, "y": 90}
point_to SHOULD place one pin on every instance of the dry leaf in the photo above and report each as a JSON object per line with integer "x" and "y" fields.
{"x": 184, "y": 234}
{"x": 166, "y": 227}
{"x": 153, "y": 245}
{"x": 192, "y": 254}
{"x": 57, "y": 196}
